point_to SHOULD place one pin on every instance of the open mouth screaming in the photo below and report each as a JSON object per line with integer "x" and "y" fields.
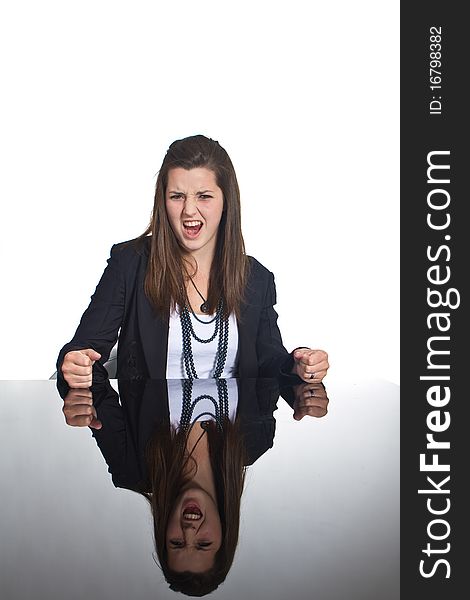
{"x": 192, "y": 513}
{"x": 192, "y": 228}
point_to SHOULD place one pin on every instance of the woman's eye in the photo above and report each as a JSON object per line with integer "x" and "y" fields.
{"x": 204, "y": 544}
{"x": 176, "y": 197}
{"x": 176, "y": 543}
{"x": 204, "y": 196}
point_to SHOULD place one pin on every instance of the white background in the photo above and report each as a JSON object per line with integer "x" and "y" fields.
{"x": 304, "y": 97}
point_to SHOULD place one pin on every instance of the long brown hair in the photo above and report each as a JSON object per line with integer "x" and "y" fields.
{"x": 164, "y": 281}
{"x": 169, "y": 469}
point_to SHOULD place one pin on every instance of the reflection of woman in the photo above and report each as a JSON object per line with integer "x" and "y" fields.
{"x": 196, "y": 478}
{"x": 184, "y": 446}
{"x": 184, "y": 298}
{"x": 196, "y": 472}
{"x": 191, "y": 471}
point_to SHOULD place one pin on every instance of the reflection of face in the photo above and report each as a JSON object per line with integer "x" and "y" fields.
{"x": 194, "y": 204}
{"x": 194, "y": 532}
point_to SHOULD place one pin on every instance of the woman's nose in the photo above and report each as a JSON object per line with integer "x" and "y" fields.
{"x": 190, "y": 206}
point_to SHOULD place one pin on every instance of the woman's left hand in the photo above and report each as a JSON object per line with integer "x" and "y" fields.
{"x": 310, "y": 365}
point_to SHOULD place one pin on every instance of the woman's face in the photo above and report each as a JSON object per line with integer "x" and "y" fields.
{"x": 194, "y": 532}
{"x": 194, "y": 204}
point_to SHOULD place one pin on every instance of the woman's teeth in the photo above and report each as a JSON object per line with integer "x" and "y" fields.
{"x": 192, "y": 513}
{"x": 192, "y": 224}
{"x": 191, "y": 516}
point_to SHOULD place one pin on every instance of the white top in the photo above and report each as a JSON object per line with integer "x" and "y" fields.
{"x": 204, "y": 354}
{"x": 205, "y": 407}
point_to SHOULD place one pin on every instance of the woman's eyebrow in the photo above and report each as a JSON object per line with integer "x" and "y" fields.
{"x": 201, "y": 192}
{"x": 180, "y": 548}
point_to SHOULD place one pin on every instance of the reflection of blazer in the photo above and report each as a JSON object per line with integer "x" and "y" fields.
{"x": 120, "y": 303}
{"x": 129, "y": 420}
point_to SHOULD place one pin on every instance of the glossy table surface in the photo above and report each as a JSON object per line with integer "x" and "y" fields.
{"x": 319, "y": 514}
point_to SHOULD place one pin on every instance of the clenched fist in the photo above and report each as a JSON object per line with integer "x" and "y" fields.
{"x": 310, "y": 400}
{"x": 77, "y": 367}
{"x": 79, "y": 411}
{"x": 310, "y": 365}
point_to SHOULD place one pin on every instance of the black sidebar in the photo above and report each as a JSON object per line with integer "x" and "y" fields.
{"x": 435, "y": 238}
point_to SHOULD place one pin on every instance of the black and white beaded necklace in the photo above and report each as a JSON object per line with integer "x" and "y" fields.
{"x": 221, "y": 328}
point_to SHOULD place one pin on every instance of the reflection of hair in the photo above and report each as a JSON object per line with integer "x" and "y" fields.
{"x": 164, "y": 282}
{"x": 169, "y": 470}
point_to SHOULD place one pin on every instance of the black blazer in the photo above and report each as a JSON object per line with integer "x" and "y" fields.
{"x": 120, "y": 309}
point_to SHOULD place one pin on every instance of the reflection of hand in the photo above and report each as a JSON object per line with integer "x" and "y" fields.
{"x": 79, "y": 410}
{"x": 310, "y": 365}
{"x": 77, "y": 367}
{"x": 311, "y": 400}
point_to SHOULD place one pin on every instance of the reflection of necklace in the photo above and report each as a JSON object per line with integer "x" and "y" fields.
{"x": 204, "y": 308}
{"x": 220, "y": 405}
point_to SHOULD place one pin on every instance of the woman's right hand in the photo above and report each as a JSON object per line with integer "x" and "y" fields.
{"x": 77, "y": 367}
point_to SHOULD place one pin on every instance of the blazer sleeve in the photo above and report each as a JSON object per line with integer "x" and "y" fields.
{"x": 272, "y": 356}
{"x": 114, "y": 439}
{"x": 273, "y": 359}
{"x": 100, "y": 323}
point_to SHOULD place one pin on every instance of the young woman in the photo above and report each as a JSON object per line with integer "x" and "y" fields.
{"x": 184, "y": 300}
